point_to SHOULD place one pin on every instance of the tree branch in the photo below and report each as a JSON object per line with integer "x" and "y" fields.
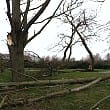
{"x": 35, "y": 8}
{"x": 24, "y": 21}
{"x": 36, "y": 34}
{"x": 44, "y": 6}
{"x": 9, "y": 13}
{"x": 64, "y": 12}
{"x": 100, "y": 101}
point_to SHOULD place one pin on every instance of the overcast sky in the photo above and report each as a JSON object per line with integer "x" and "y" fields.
{"x": 48, "y": 38}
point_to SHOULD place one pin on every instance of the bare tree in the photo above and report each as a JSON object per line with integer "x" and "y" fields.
{"x": 69, "y": 5}
{"x": 20, "y": 23}
{"x": 81, "y": 25}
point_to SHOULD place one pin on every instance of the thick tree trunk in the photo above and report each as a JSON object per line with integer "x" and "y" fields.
{"x": 15, "y": 41}
{"x": 17, "y": 61}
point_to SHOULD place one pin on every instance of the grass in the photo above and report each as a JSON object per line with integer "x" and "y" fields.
{"x": 68, "y": 74}
{"x": 82, "y": 100}
{"x": 5, "y": 76}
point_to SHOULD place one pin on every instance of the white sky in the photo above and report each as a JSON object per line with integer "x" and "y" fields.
{"x": 47, "y": 38}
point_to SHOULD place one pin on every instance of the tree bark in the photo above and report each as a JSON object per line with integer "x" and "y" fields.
{"x": 15, "y": 41}
{"x": 17, "y": 61}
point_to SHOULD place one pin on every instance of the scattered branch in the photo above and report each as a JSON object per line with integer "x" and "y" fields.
{"x": 100, "y": 101}
{"x": 67, "y": 91}
{"x": 26, "y": 75}
{"x": 23, "y": 101}
{"x": 3, "y": 101}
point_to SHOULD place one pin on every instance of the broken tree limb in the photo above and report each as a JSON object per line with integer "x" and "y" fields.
{"x": 52, "y": 95}
{"x": 47, "y": 82}
{"x": 100, "y": 101}
{"x": 67, "y": 91}
{"x": 25, "y": 89}
{"x": 51, "y": 82}
{"x": 3, "y": 101}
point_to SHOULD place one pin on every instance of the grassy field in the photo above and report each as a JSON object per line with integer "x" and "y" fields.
{"x": 82, "y": 100}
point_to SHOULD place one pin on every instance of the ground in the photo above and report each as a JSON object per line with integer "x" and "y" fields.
{"x": 82, "y": 100}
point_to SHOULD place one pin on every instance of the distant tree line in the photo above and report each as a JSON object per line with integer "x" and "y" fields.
{"x": 71, "y": 64}
{"x": 57, "y": 63}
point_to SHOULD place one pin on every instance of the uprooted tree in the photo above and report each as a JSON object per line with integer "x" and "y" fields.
{"x": 20, "y": 23}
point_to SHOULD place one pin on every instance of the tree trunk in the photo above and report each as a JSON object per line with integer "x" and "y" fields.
{"x": 17, "y": 38}
{"x": 88, "y": 50}
{"x": 15, "y": 42}
{"x": 17, "y": 61}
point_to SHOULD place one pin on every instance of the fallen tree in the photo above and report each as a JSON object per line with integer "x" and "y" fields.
{"x": 46, "y": 82}
{"x": 23, "y": 101}
{"x": 51, "y": 82}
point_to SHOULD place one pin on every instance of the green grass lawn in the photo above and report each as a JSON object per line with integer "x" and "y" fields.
{"x": 82, "y": 100}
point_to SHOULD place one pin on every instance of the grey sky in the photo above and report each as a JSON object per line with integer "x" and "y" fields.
{"x": 47, "y": 38}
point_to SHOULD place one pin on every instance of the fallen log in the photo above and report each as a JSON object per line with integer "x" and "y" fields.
{"x": 51, "y": 82}
{"x": 64, "y": 92}
{"x": 51, "y": 95}
{"x": 47, "y": 82}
